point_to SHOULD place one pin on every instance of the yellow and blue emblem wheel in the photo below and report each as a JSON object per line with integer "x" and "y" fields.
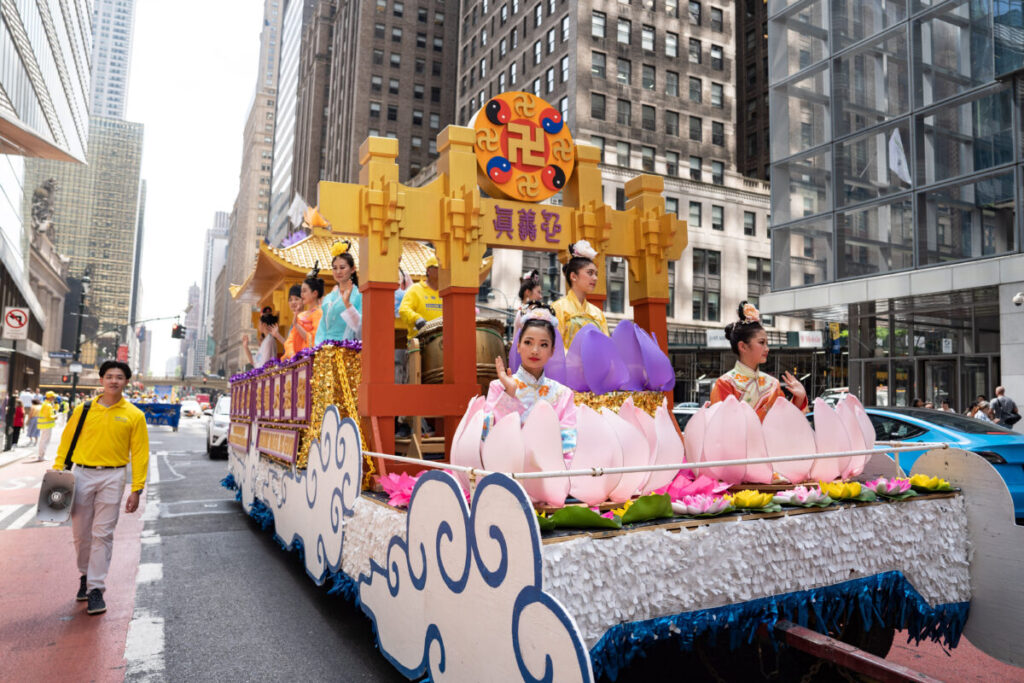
{"x": 524, "y": 149}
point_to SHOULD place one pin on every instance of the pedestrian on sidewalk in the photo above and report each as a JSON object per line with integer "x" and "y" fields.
{"x": 46, "y": 421}
{"x": 17, "y": 423}
{"x": 1005, "y": 408}
{"x": 101, "y": 438}
{"x": 32, "y": 425}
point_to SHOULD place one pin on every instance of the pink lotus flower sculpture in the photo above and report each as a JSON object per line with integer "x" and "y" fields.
{"x": 399, "y": 488}
{"x": 890, "y": 488}
{"x": 803, "y": 497}
{"x": 702, "y": 504}
{"x": 683, "y": 486}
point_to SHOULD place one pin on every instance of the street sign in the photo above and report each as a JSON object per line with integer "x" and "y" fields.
{"x": 63, "y": 355}
{"x": 75, "y": 368}
{"x": 15, "y": 323}
{"x": 122, "y": 353}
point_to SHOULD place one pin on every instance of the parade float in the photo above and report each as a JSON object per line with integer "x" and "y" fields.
{"x": 503, "y": 561}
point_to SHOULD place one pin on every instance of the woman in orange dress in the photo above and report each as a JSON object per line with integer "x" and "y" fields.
{"x": 749, "y": 341}
{"x": 303, "y": 332}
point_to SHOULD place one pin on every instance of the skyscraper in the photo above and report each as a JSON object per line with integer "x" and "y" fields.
{"x": 752, "y": 134}
{"x": 136, "y": 301}
{"x": 214, "y": 257}
{"x": 113, "y": 24}
{"x": 314, "y": 91}
{"x": 190, "y": 344}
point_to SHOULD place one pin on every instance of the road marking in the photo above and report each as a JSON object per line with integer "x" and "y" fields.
{"x": 150, "y": 572}
{"x": 7, "y": 510}
{"x": 20, "y": 483}
{"x": 24, "y": 519}
{"x": 154, "y": 471}
{"x": 144, "y": 647}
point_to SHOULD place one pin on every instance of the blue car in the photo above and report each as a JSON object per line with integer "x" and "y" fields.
{"x": 1002, "y": 447}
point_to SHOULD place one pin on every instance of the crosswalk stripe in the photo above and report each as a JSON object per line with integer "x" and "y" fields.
{"x": 5, "y": 511}
{"x": 29, "y": 515}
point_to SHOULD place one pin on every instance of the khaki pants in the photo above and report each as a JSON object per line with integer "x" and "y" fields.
{"x": 94, "y": 515}
{"x": 44, "y": 440}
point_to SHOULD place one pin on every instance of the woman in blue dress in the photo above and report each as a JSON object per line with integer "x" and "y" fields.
{"x": 343, "y": 308}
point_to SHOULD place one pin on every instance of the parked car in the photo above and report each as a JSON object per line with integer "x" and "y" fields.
{"x": 217, "y": 428}
{"x": 834, "y": 395}
{"x": 682, "y": 412}
{"x": 1002, "y": 447}
{"x": 190, "y": 408}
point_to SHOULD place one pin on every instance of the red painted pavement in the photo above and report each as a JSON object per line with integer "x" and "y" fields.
{"x": 45, "y": 634}
{"x": 965, "y": 663}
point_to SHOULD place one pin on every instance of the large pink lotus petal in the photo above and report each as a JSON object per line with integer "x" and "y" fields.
{"x": 829, "y": 437}
{"x": 645, "y": 423}
{"x": 596, "y": 446}
{"x": 467, "y": 442}
{"x": 787, "y": 432}
{"x": 542, "y": 441}
{"x": 696, "y": 432}
{"x": 758, "y": 473}
{"x": 848, "y": 416}
{"x": 669, "y": 451}
{"x": 634, "y": 454}
{"x": 726, "y": 439}
{"x": 867, "y": 429}
{"x": 503, "y": 450}
{"x": 476, "y": 404}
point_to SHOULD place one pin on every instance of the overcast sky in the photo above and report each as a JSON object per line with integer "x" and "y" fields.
{"x": 192, "y": 79}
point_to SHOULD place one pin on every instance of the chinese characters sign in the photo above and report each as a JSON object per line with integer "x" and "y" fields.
{"x": 524, "y": 150}
{"x": 527, "y": 226}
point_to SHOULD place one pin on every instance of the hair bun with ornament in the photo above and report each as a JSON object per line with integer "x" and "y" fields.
{"x": 541, "y": 312}
{"x": 748, "y": 313}
{"x": 340, "y": 247}
{"x": 314, "y": 272}
{"x": 582, "y": 249}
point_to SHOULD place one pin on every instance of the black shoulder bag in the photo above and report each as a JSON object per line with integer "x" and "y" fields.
{"x": 78, "y": 432}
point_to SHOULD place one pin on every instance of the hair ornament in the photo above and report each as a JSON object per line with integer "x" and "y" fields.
{"x": 583, "y": 249}
{"x": 533, "y": 277}
{"x": 340, "y": 247}
{"x": 541, "y": 312}
{"x": 750, "y": 314}
{"x": 315, "y": 272}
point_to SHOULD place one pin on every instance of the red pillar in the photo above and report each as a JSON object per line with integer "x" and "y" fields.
{"x": 459, "y": 349}
{"x": 379, "y": 358}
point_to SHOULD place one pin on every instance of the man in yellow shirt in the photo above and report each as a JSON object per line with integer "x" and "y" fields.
{"x": 421, "y": 302}
{"x": 112, "y": 434}
{"x": 46, "y": 422}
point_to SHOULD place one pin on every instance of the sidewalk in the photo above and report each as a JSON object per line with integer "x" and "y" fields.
{"x": 45, "y": 634}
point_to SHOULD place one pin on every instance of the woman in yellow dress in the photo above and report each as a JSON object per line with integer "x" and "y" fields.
{"x": 573, "y": 311}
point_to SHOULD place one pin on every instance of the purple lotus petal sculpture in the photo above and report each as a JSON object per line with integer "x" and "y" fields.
{"x": 627, "y": 343}
{"x": 661, "y": 376}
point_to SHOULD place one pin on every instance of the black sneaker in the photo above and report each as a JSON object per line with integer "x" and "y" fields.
{"x": 83, "y": 593}
{"x": 96, "y": 604}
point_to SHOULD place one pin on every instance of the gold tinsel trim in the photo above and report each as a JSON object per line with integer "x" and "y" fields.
{"x": 647, "y": 401}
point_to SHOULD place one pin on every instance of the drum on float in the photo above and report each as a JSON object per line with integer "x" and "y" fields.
{"x": 490, "y": 344}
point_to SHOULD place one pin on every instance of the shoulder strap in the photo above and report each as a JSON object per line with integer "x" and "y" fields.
{"x": 78, "y": 432}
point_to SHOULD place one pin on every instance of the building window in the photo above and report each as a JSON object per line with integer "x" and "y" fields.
{"x": 393, "y": 86}
{"x": 716, "y": 57}
{"x": 417, "y": 91}
{"x": 696, "y": 87}
{"x": 672, "y": 83}
{"x": 416, "y": 142}
{"x": 694, "y": 13}
{"x": 435, "y": 121}
{"x": 597, "y": 24}
{"x": 512, "y": 69}
{"x": 695, "y": 164}
{"x": 379, "y": 30}
{"x": 374, "y": 110}
{"x": 417, "y": 117}
{"x": 623, "y": 113}
{"x": 396, "y": 35}
{"x": 716, "y": 96}
{"x": 623, "y": 32}
{"x": 717, "y": 133}
{"x": 398, "y": 9}
{"x": 696, "y": 128}
{"x": 438, "y": 44}
{"x": 392, "y": 112}
{"x": 622, "y": 157}
{"x": 671, "y": 206}
{"x": 670, "y": 307}
{"x": 536, "y": 87}
{"x": 550, "y": 79}
{"x": 717, "y": 173}
{"x": 538, "y": 16}
{"x": 538, "y": 52}
{"x": 647, "y": 38}
{"x": 647, "y": 158}
{"x": 396, "y": 60}
{"x": 565, "y": 28}
{"x": 564, "y": 65}
{"x": 672, "y": 163}
{"x": 551, "y": 40}
{"x": 717, "y": 218}
{"x": 376, "y": 83}
{"x": 616, "y": 284}
{"x": 759, "y": 281}
{"x": 563, "y": 107}
{"x": 378, "y": 56}
{"x": 598, "y": 141}
{"x": 695, "y": 50}
{"x": 672, "y": 45}
{"x": 749, "y": 223}
{"x": 672, "y": 8}
{"x": 707, "y": 279}
{"x": 625, "y": 71}
{"x": 598, "y": 65}
{"x": 647, "y": 79}
{"x": 672, "y": 122}
{"x": 716, "y": 19}
{"x": 695, "y": 214}
{"x": 647, "y": 117}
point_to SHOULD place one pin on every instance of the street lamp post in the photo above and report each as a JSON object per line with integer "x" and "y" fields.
{"x": 76, "y": 366}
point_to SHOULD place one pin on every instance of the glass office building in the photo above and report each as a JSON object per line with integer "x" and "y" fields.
{"x": 897, "y": 176}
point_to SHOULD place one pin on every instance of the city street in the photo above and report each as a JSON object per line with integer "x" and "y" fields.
{"x": 199, "y": 592}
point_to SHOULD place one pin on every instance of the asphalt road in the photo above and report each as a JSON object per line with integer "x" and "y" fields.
{"x": 232, "y": 604}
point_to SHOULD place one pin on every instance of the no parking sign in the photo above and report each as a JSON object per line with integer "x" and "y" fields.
{"x": 15, "y": 323}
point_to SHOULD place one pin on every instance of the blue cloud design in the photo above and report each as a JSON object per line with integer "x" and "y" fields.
{"x": 461, "y": 596}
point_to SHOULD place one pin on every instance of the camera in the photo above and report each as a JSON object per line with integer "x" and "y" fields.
{"x": 1018, "y": 299}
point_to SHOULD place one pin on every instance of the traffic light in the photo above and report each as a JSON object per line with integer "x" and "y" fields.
{"x": 65, "y": 378}
{"x": 178, "y": 331}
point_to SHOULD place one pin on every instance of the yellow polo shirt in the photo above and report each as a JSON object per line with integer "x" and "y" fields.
{"x": 420, "y": 301}
{"x": 47, "y": 416}
{"x": 109, "y": 436}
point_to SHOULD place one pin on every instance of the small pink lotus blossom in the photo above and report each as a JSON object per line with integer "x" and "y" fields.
{"x": 889, "y": 487}
{"x": 683, "y": 486}
{"x": 801, "y": 495}
{"x": 701, "y": 504}
{"x": 399, "y": 488}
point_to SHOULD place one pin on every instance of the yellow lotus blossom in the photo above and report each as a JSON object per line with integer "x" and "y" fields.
{"x": 931, "y": 483}
{"x": 749, "y": 499}
{"x": 840, "y": 490}
{"x": 622, "y": 510}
